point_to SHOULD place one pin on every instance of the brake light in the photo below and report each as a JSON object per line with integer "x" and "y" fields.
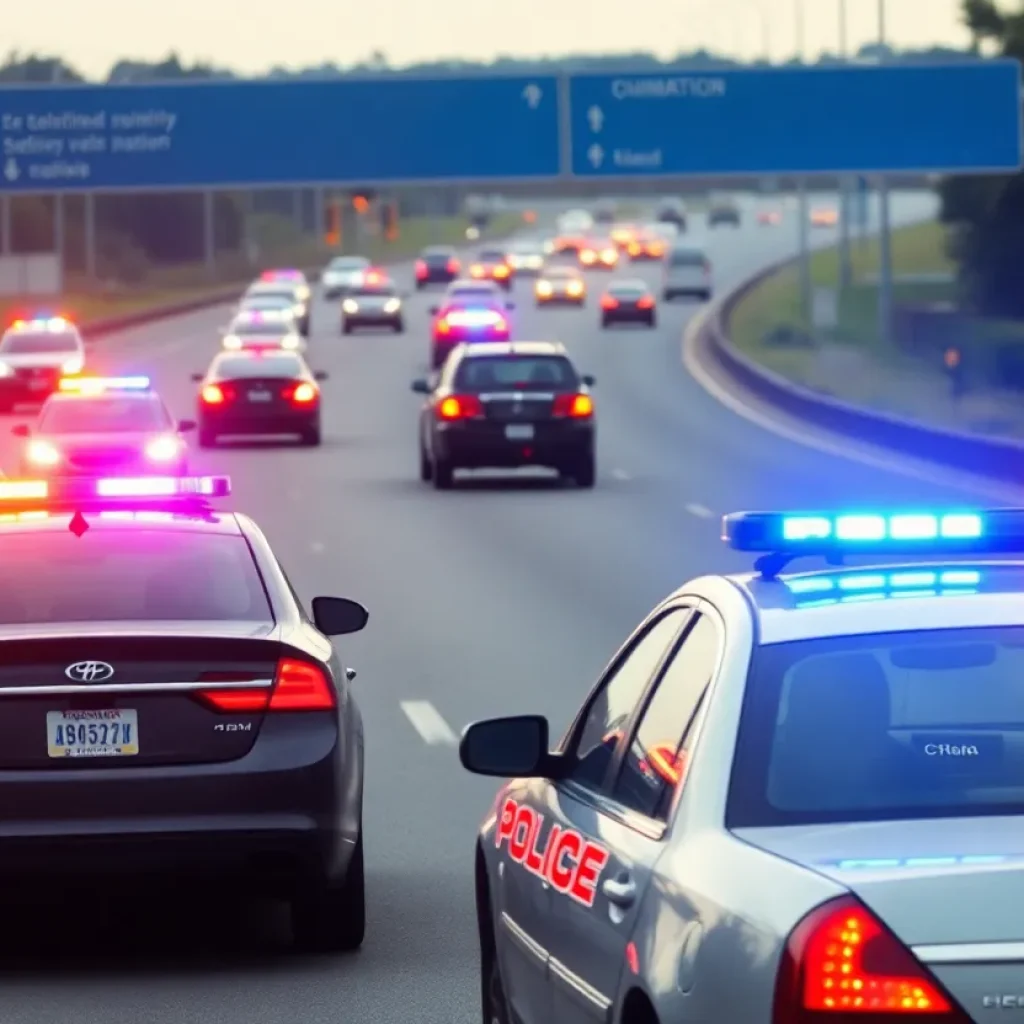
{"x": 421, "y": 268}
{"x": 476, "y": 270}
{"x": 609, "y": 302}
{"x": 577, "y": 407}
{"x": 500, "y": 325}
{"x": 298, "y": 686}
{"x": 634, "y": 249}
{"x": 501, "y": 271}
{"x": 645, "y": 302}
{"x": 300, "y": 393}
{"x": 454, "y": 266}
{"x": 460, "y": 407}
{"x": 214, "y": 394}
{"x": 841, "y": 960}
{"x": 442, "y": 326}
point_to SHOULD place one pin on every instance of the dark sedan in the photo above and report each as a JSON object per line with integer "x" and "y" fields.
{"x": 439, "y": 264}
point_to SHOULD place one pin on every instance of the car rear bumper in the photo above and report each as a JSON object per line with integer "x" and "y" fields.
{"x": 287, "y": 812}
{"x": 356, "y": 322}
{"x": 437, "y": 277}
{"x": 244, "y": 422}
{"x": 485, "y": 446}
{"x": 561, "y": 300}
{"x": 639, "y": 316}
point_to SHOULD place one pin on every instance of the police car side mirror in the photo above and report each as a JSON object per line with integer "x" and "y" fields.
{"x": 421, "y": 387}
{"x": 337, "y": 616}
{"x": 186, "y": 426}
{"x": 510, "y": 305}
{"x": 434, "y": 310}
{"x": 320, "y": 375}
{"x": 589, "y": 379}
{"x": 198, "y": 378}
{"x": 21, "y": 430}
{"x": 508, "y": 747}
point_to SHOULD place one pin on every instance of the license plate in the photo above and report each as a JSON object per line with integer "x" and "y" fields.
{"x": 519, "y": 432}
{"x": 259, "y": 396}
{"x": 113, "y": 733}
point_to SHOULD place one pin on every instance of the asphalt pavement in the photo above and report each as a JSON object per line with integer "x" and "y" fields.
{"x": 504, "y": 595}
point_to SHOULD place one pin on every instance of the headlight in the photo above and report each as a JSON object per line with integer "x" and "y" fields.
{"x": 232, "y": 341}
{"x": 300, "y": 309}
{"x": 304, "y": 292}
{"x": 290, "y": 342}
{"x": 42, "y": 453}
{"x": 350, "y": 306}
{"x": 392, "y": 305}
{"x": 71, "y": 367}
{"x": 5, "y": 370}
{"x": 543, "y": 288}
{"x": 575, "y": 288}
{"x": 164, "y": 449}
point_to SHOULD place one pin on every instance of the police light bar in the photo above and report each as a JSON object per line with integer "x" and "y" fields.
{"x": 876, "y": 533}
{"x": 92, "y": 490}
{"x": 98, "y": 385}
{"x": 52, "y": 324}
{"x": 474, "y": 318}
{"x": 282, "y": 275}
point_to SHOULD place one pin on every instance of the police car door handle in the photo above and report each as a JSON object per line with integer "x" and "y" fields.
{"x": 620, "y": 891}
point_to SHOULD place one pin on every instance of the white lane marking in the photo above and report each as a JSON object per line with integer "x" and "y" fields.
{"x": 700, "y": 511}
{"x": 317, "y": 547}
{"x": 620, "y": 474}
{"x": 427, "y": 721}
{"x": 809, "y": 436}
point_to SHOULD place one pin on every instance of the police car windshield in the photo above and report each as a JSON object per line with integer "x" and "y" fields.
{"x": 27, "y": 342}
{"x": 107, "y": 415}
{"x": 477, "y": 295}
{"x": 240, "y": 367}
{"x": 521, "y": 373}
{"x": 281, "y": 298}
{"x": 919, "y": 724}
{"x": 274, "y": 328}
{"x": 628, "y": 289}
{"x": 686, "y": 258}
{"x": 383, "y": 290}
{"x": 492, "y": 256}
{"x": 349, "y": 263}
{"x": 129, "y": 575}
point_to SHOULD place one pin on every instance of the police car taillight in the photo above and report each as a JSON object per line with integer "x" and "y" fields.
{"x": 842, "y": 963}
{"x": 298, "y": 686}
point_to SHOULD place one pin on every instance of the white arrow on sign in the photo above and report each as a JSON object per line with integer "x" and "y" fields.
{"x": 596, "y": 155}
{"x": 11, "y": 170}
{"x": 595, "y": 115}
{"x": 533, "y": 94}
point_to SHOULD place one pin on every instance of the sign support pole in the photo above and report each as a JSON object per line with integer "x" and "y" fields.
{"x": 209, "y": 235}
{"x": 59, "y": 232}
{"x": 884, "y": 228}
{"x": 845, "y": 185}
{"x": 89, "y": 217}
{"x": 6, "y": 214}
{"x": 804, "y": 213}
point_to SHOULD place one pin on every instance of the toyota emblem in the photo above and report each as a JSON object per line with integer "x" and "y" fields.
{"x": 89, "y": 671}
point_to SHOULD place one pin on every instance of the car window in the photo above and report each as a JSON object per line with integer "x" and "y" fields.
{"x": 275, "y": 327}
{"x": 485, "y": 373}
{"x": 130, "y": 575}
{"x": 655, "y": 758}
{"x": 606, "y": 717}
{"x": 240, "y": 368}
{"x": 26, "y": 342}
{"x": 473, "y": 295}
{"x": 916, "y": 724}
{"x": 107, "y": 415}
{"x": 686, "y": 258}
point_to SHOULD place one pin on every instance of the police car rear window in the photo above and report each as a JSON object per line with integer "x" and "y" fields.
{"x": 485, "y": 373}
{"x": 686, "y": 258}
{"x": 473, "y": 294}
{"x": 349, "y": 263}
{"x": 129, "y": 575}
{"x": 265, "y": 366}
{"x": 26, "y": 342}
{"x": 382, "y": 290}
{"x": 891, "y": 726}
{"x": 103, "y": 415}
{"x": 273, "y": 328}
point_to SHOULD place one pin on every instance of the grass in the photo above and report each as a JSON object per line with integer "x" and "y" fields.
{"x": 168, "y": 286}
{"x": 852, "y": 363}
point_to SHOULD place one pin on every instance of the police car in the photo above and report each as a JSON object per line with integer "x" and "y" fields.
{"x": 789, "y": 798}
{"x": 34, "y": 355}
{"x": 104, "y": 425}
{"x": 168, "y": 706}
{"x": 263, "y": 329}
{"x": 287, "y": 295}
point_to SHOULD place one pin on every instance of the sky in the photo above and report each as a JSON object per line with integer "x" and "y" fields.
{"x": 249, "y": 36}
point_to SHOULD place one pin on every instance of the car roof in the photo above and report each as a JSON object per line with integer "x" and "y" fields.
{"x": 126, "y": 521}
{"x": 514, "y": 348}
{"x": 884, "y": 598}
{"x": 628, "y": 284}
{"x": 471, "y": 284}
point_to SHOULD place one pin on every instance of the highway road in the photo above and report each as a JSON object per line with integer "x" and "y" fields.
{"x": 498, "y": 597}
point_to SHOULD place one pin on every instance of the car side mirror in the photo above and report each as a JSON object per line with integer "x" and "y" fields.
{"x": 337, "y": 616}
{"x": 21, "y": 430}
{"x": 320, "y": 375}
{"x": 589, "y": 379}
{"x": 421, "y": 387}
{"x": 510, "y": 305}
{"x": 434, "y": 310}
{"x": 198, "y": 378}
{"x": 508, "y": 748}
{"x": 186, "y": 426}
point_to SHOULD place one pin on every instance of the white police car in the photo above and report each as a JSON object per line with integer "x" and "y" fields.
{"x": 790, "y": 798}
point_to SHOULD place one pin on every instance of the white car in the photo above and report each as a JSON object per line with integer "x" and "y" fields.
{"x": 34, "y": 355}
{"x": 789, "y": 799}
{"x": 343, "y": 275}
{"x": 687, "y": 273}
{"x": 255, "y": 329}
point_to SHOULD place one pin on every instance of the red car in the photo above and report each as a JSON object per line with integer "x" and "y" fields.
{"x": 454, "y": 324}
{"x": 492, "y": 265}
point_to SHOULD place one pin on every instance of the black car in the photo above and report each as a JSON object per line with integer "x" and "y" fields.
{"x": 724, "y": 213}
{"x": 505, "y": 405}
{"x": 672, "y": 215}
{"x": 629, "y": 302}
{"x": 438, "y": 264}
{"x": 258, "y": 393}
{"x": 170, "y": 709}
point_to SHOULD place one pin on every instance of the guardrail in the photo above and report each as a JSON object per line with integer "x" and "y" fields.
{"x": 998, "y": 459}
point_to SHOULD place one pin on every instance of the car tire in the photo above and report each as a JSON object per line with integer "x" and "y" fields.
{"x": 311, "y": 437}
{"x": 207, "y": 438}
{"x": 420, "y": 285}
{"x": 667, "y": 296}
{"x": 706, "y": 296}
{"x": 443, "y": 475}
{"x": 398, "y": 327}
{"x": 605, "y": 322}
{"x": 652, "y": 321}
{"x": 332, "y": 918}
{"x": 495, "y": 1008}
{"x": 346, "y": 328}
{"x": 426, "y": 469}
{"x": 585, "y": 471}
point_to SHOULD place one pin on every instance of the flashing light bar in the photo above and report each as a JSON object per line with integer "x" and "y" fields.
{"x": 53, "y": 324}
{"x": 282, "y": 275}
{"x": 875, "y": 533}
{"x": 91, "y": 490}
{"x": 474, "y": 318}
{"x": 98, "y": 385}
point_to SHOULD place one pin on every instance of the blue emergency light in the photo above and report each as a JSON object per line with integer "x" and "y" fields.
{"x": 100, "y": 385}
{"x": 782, "y": 536}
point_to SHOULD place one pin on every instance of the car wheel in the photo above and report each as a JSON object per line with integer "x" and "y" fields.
{"x": 332, "y": 918}
{"x": 585, "y": 471}
{"x": 652, "y": 321}
{"x": 444, "y": 475}
{"x": 605, "y": 321}
{"x": 346, "y": 328}
{"x": 420, "y": 285}
{"x": 207, "y": 438}
{"x": 426, "y": 469}
{"x": 311, "y": 436}
{"x": 667, "y": 296}
{"x": 398, "y": 327}
{"x": 495, "y": 1008}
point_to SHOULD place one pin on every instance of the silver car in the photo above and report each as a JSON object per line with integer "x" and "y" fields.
{"x": 343, "y": 275}
{"x": 790, "y": 798}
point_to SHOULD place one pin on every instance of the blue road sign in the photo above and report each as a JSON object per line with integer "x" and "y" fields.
{"x": 881, "y": 119}
{"x": 273, "y": 133}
